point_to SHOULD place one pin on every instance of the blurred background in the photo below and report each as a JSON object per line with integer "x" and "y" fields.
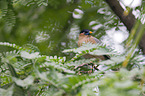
{"x": 54, "y": 25}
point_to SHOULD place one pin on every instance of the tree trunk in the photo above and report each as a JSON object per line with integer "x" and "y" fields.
{"x": 128, "y": 20}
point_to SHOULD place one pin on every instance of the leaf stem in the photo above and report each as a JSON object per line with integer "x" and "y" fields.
{"x": 136, "y": 41}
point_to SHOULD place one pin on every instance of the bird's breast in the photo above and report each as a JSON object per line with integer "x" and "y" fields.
{"x": 86, "y": 40}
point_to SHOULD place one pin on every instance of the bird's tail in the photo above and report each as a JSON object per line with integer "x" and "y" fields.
{"x": 106, "y": 57}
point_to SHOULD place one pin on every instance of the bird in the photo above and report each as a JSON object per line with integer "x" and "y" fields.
{"x": 86, "y": 37}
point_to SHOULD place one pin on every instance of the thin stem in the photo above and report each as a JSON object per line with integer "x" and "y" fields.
{"x": 132, "y": 34}
{"x": 136, "y": 42}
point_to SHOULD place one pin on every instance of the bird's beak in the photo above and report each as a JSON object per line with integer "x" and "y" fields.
{"x": 90, "y": 32}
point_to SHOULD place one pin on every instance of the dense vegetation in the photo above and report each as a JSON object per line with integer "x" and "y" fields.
{"x": 39, "y": 54}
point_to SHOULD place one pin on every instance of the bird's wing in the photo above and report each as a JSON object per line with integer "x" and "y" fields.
{"x": 105, "y": 57}
{"x": 94, "y": 40}
{"x": 97, "y": 41}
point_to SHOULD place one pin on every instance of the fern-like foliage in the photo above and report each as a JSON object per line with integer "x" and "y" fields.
{"x": 30, "y": 2}
{"x": 51, "y": 3}
{"x": 96, "y": 49}
{"x": 53, "y": 75}
{"x": 10, "y": 18}
{"x": 114, "y": 82}
{"x": 93, "y": 49}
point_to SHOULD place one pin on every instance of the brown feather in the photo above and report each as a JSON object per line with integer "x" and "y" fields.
{"x": 86, "y": 39}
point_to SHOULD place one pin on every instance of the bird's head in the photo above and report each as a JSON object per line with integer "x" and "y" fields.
{"x": 86, "y": 32}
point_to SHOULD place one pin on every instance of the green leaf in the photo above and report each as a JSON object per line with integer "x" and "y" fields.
{"x": 71, "y": 83}
{"x": 113, "y": 60}
{"x": 28, "y": 55}
{"x": 59, "y": 67}
{"x": 6, "y": 92}
{"x": 79, "y": 62}
{"x": 24, "y": 83}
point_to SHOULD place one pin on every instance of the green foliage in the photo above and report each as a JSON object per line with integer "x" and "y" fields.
{"x": 6, "y": 92}
{"x": 10, "y": 18}
{"x": 28, "y": 18}
{"x": 40, "y": 74}
{"x": 51, "y": 26}
{"x": 121, "y": 82}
